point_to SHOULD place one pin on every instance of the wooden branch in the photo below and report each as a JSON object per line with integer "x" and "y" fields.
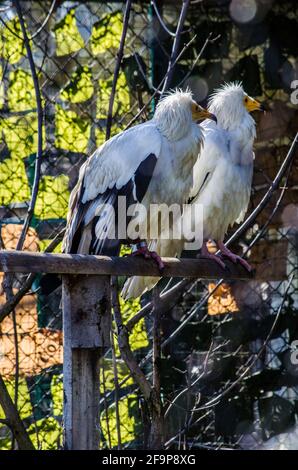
{"x": 204, "y": 268}
{"x": 125, "y": 350}
{"x": 10, "y": 304}
{"x": 14, "y": 421}
{"x": 117, "y": 68}
{"x": 168, "y": 299}
{"x": 158, "y": 88}
{"x": 156, "y": 438}
{"x": 39, "y": 127}
{"x": 176, "y": 45}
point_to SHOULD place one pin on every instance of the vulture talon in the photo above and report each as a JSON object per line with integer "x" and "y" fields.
{"x": 142, "y": 250}
{"x": 233, "y": 257}
{"x": 206, "y": 254}
{"x": 214, "y": 258}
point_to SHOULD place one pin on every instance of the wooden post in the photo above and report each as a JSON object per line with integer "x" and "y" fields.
{"x": 86, "y": 329}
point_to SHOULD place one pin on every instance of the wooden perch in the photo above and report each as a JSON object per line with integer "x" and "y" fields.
{"x": 203, "y": 268}
{"x": 87, "y": 326}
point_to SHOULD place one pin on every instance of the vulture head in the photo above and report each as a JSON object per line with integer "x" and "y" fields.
{"x": 232, "y": 106}
{"x": 177, "y": 112}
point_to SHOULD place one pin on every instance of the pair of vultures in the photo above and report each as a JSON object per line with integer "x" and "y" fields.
{"x": 170, "y": 159}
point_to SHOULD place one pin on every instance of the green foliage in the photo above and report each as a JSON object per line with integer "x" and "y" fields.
{"x": 13, "y": 182}
{"x": 57, "y": 394}
{"x": 46, "y": 434}
{"x": 72, "y": 132}
{"x": 106, "y": 33}
{"x": 11, "y": 47}
{"x": 122, "y": 99}
{"x": 127, "y": 418}
{"x": 20, "y": 134}
{"x": 52, "y": 200}
{"x": 108, "y": 377}
{"x": 24, "y": 403}
{"x": 21, "y": 94}
{"x": 68, "y": 38}
{"x": 80, "y": 87}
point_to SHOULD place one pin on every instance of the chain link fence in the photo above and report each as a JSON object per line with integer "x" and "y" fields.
{"x": 230, "y": 378}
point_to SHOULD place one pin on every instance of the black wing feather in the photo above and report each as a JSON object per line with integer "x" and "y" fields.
{"x": 134, "y": 191}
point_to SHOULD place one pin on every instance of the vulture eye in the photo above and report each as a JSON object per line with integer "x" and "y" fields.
{"x": 246, "y": 100}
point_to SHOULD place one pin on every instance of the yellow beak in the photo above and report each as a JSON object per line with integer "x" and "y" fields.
{"x": 252, "y": 105}
{"x": 199, "y": 113}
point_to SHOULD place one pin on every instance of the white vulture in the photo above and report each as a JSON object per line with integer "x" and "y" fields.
{"x": 149, "y": 163}
{"x": 222, "y": 178}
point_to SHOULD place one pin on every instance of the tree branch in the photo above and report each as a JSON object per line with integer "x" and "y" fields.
{"x": 39, "y": 128}
{"x": 14, "y": 421}
{"x": 117, "y": 68}
{"x": 156, "y": 439}
{"x": 123, "y": 342}
{"x": 176, "y": 45}
{"x": 11, "y": 303}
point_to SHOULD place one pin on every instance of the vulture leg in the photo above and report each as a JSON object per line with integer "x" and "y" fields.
{"x": 141, "y": 249}
{"x": 206, "y": 253}
{"x": 234, "y": 258}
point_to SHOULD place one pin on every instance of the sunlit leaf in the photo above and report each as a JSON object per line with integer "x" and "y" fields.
{"x": 138, "y": 337}
{"x": 80, "y": 87}
{"x": 106, "y": 33}
{"x": 46, "y": 434}
{"x": 43, "y": 244}
{"x": 21, "y": 135}
{"x": 24, "y": 403}
{"x": 127, "y": 410}
{"x": 68, "y": 38}
{"x": 72, "y": 132}
{"x": 14, "y": 185}
{"x": 52, "y": 200}
{"x": 11, "y": 47}
{"x": 57, "y": 394}
{"x": 122, "y": 97}
{"x": 108, "y": 374}
{"x": 21, "y": 94}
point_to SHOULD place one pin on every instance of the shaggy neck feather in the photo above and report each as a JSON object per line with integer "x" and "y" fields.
{"x": 173, "y": 118}
{"x": 232, "y": 116}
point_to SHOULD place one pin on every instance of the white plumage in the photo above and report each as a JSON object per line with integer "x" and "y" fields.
{"x": 222, "y": 176}
{"x": 149, "y": 163}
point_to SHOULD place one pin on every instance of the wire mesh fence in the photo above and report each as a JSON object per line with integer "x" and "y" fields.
{"x": 228, "y": 375}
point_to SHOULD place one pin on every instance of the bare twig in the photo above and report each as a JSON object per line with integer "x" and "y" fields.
{"x": 208, "y": 41}
{"x": 178, "y": 289}
{"x": 161, "y": 21}
{"x": 45, "y": 21}
{"x": 11, "y": 303}
{"x": 156, "y": 438}
{"x": 216, "y": 400}
{"x": 39, "y": 128}
{"x": 115, "y": 371}
{"x": 124, "y": 346}
{"x": 38, "y": 31}
{"x": 117, "y": 68}
{"x": 13, "y": 418}
{"x": 176, "y": 45}
{"x": 158, "y": 88}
